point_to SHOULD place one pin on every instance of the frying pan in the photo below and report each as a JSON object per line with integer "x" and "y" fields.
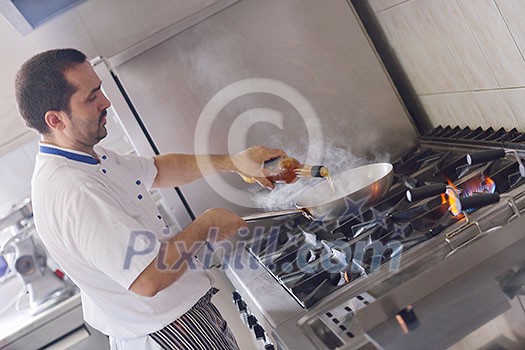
{"x": 364, "y": 185}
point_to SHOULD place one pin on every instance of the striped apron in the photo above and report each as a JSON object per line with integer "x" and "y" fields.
{"x": 202, "y": 327}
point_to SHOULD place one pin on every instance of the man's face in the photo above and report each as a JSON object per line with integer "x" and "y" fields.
{"x": 85, "y": 124}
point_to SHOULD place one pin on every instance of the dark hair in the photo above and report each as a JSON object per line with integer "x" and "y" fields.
{"x": 41, "y": 85}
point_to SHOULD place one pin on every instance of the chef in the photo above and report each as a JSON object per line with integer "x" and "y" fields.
{"x": 93, "y": 212}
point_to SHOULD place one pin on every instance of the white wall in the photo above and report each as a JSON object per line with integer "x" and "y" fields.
{"x": 17, "y": 168}
{"x": 17, "y": 164}
{"x": 463, "y": 58}
{"x": 96, "y": 27}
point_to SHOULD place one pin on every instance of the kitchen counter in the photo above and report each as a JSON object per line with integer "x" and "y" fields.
{"x": 20, "y": 330}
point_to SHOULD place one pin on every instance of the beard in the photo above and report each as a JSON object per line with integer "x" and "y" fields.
{"x": 102, "y": 131}
{"x": 87, "y": 132}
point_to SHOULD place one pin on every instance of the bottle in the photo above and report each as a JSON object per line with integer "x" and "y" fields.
{"x": 288, "y": 170}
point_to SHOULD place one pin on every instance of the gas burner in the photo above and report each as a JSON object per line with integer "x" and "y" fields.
{"x": 312, "y": 259}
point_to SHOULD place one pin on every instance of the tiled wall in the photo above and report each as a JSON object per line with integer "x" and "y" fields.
{"x": 463, "y": 59}
{"x": 96, "y": 27}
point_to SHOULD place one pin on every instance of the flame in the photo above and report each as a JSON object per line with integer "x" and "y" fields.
{"x": 346, "y": 277}
{"x": 453, "y": 201}
{"x": 444, "y": 196}
{"x": 475, "y": 185}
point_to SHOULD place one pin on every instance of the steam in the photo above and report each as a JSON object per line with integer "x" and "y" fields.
{"x": 336, "y": 159}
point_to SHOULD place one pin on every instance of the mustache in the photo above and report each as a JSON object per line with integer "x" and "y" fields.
{"x": 103, "y": 114}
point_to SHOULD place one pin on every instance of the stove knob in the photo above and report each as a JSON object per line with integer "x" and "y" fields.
{"x": 252, "y": 321}
{"x": 418, "y": 193}
{"x": 485, "y": 156}
{"x": 259, "y": 332}
{"x": 478, "y": 201}
{"x": 236, "y": 296}
{"x": 241, "y": 305}
{"x": 407, "y": 319}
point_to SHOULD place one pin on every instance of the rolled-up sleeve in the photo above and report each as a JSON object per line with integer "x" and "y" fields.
{"x": 144, "y": 167}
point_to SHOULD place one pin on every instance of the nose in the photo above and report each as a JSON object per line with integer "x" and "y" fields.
{"x": 105, "y": 103}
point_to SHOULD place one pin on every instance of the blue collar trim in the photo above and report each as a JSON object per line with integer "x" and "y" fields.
{"x": 69, "y": 155}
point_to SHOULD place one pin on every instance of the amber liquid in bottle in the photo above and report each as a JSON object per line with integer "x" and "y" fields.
{"x": 288, "y": 170}
{"x": 282, "y": 170}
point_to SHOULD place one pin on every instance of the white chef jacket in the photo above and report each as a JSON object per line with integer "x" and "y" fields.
{"x": 94, "y": 217}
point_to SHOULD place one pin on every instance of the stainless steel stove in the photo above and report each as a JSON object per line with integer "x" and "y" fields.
{"x": 402, "y": 274}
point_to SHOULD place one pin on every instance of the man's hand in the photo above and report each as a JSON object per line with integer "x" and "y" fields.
{"x": 152, "y": 280}
{"x": 226, "y": 222}
{"x": 249, "y": 164}
{"x": 175, "y": 169}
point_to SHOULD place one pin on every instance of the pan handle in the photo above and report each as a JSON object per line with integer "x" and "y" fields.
{"x": 270, "y": 214}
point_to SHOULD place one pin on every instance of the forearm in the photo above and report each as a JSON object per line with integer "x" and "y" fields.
{"x": 166, "y": 268}
{"x": 171, "y": 264}
{"x": 179, "y": 169}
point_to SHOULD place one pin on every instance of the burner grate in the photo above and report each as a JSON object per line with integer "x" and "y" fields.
{"x": 382, "y": 233}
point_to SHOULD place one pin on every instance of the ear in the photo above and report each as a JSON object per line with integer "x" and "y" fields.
{"x": 55, "y": 120}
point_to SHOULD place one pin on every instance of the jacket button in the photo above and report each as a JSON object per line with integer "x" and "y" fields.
{"x": 138, "y": 182}
{"x": 139, "y": 196}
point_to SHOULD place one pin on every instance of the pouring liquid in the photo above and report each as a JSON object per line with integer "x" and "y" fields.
{"x": 330, "y": 183}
